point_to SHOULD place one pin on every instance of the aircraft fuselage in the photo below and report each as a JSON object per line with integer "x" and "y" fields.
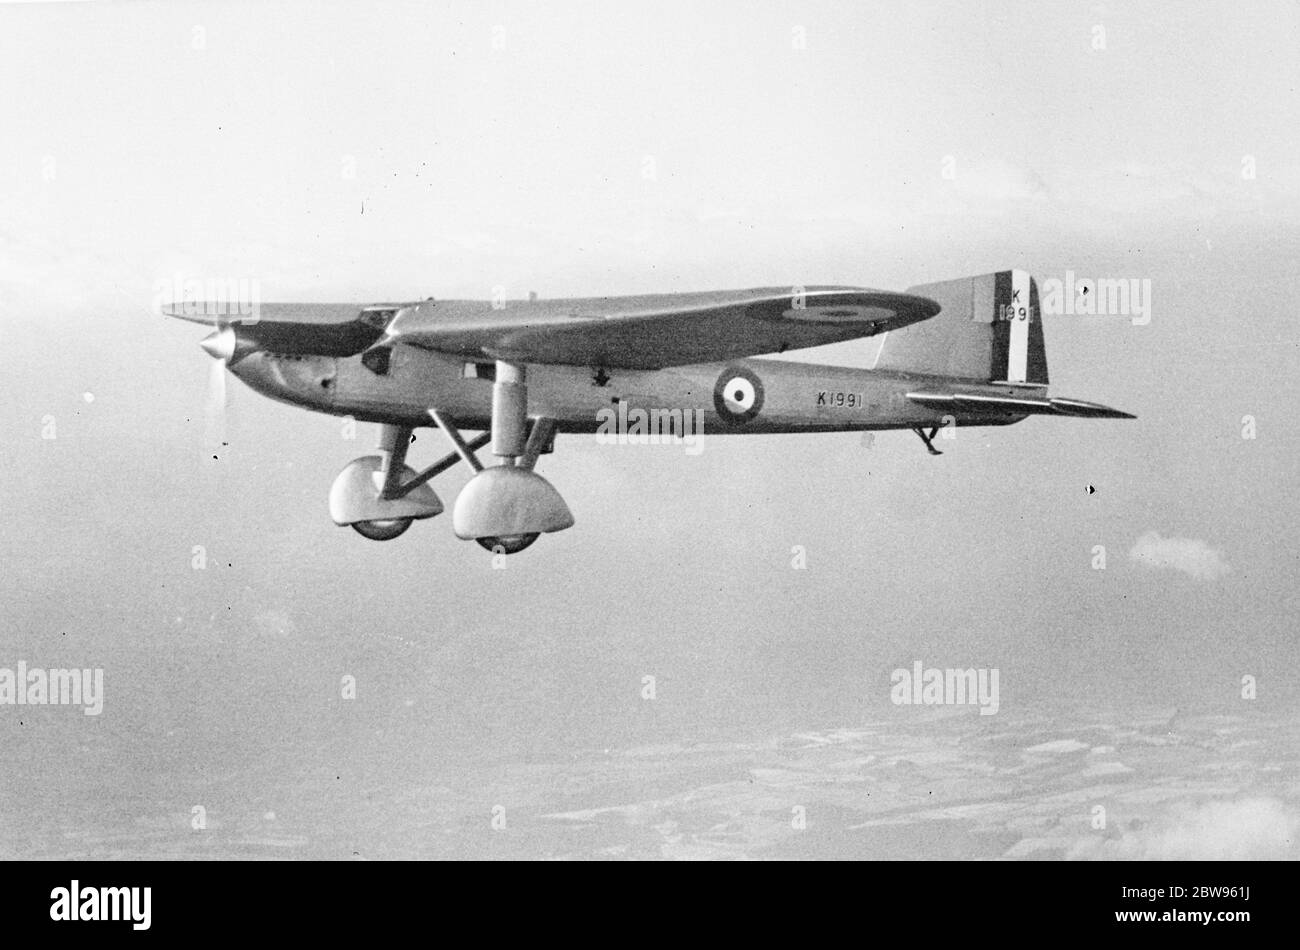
{"x": 769, "y": 396}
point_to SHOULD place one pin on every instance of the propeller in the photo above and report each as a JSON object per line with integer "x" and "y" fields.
{"x": 231, "y": 342}
{"x": 220, "y": 345}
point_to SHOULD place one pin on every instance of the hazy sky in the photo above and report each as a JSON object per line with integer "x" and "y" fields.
{"x": 388, "y": 151}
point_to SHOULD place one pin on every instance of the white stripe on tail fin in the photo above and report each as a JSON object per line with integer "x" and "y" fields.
{"x": 1018, "y": 315}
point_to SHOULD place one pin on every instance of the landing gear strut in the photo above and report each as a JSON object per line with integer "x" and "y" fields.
{"x": 506, "y": 506}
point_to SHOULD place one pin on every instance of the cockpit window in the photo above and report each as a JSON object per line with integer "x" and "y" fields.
{"x": 377, "y": 317}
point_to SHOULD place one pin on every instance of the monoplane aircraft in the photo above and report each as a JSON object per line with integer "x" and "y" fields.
{"x": 966, "y": 352}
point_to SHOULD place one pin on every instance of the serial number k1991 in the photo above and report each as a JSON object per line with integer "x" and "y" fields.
{"x": 839, "y": 400}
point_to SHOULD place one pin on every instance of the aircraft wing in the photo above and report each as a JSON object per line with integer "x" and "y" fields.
{"x": 655, "y": 331}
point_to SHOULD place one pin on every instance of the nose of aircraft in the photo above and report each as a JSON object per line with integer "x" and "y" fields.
{"x": 220, "y": 345}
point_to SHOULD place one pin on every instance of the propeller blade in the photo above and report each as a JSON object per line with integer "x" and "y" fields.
{"x": 217, "y": 400}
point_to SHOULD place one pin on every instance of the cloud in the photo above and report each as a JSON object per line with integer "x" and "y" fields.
{"x": 1249, "y": 829}
{"x": 1176, "y": 191}
{"x": 273, "y": 624}
{"x": 1182, "y": 554}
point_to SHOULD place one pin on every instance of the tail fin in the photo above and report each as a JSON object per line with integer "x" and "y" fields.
{"x": 990, "y": 331}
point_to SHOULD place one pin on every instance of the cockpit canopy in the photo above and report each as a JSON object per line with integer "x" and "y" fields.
{"x": 377, "y": 317}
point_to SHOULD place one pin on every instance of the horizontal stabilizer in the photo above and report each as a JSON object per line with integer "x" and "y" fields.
{"x": 1007, "y": 404}
{"x": 1089, "y": 410}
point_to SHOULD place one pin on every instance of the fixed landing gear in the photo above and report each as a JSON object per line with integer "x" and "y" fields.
{"x": 509, "y": 544}
{"x": 382, "y": 530}
{"x": 379, "y": 496}
{"x": 504, "y": 507}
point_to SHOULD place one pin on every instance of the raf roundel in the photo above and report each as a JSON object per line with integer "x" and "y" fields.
{"x": 738, "y": 395}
